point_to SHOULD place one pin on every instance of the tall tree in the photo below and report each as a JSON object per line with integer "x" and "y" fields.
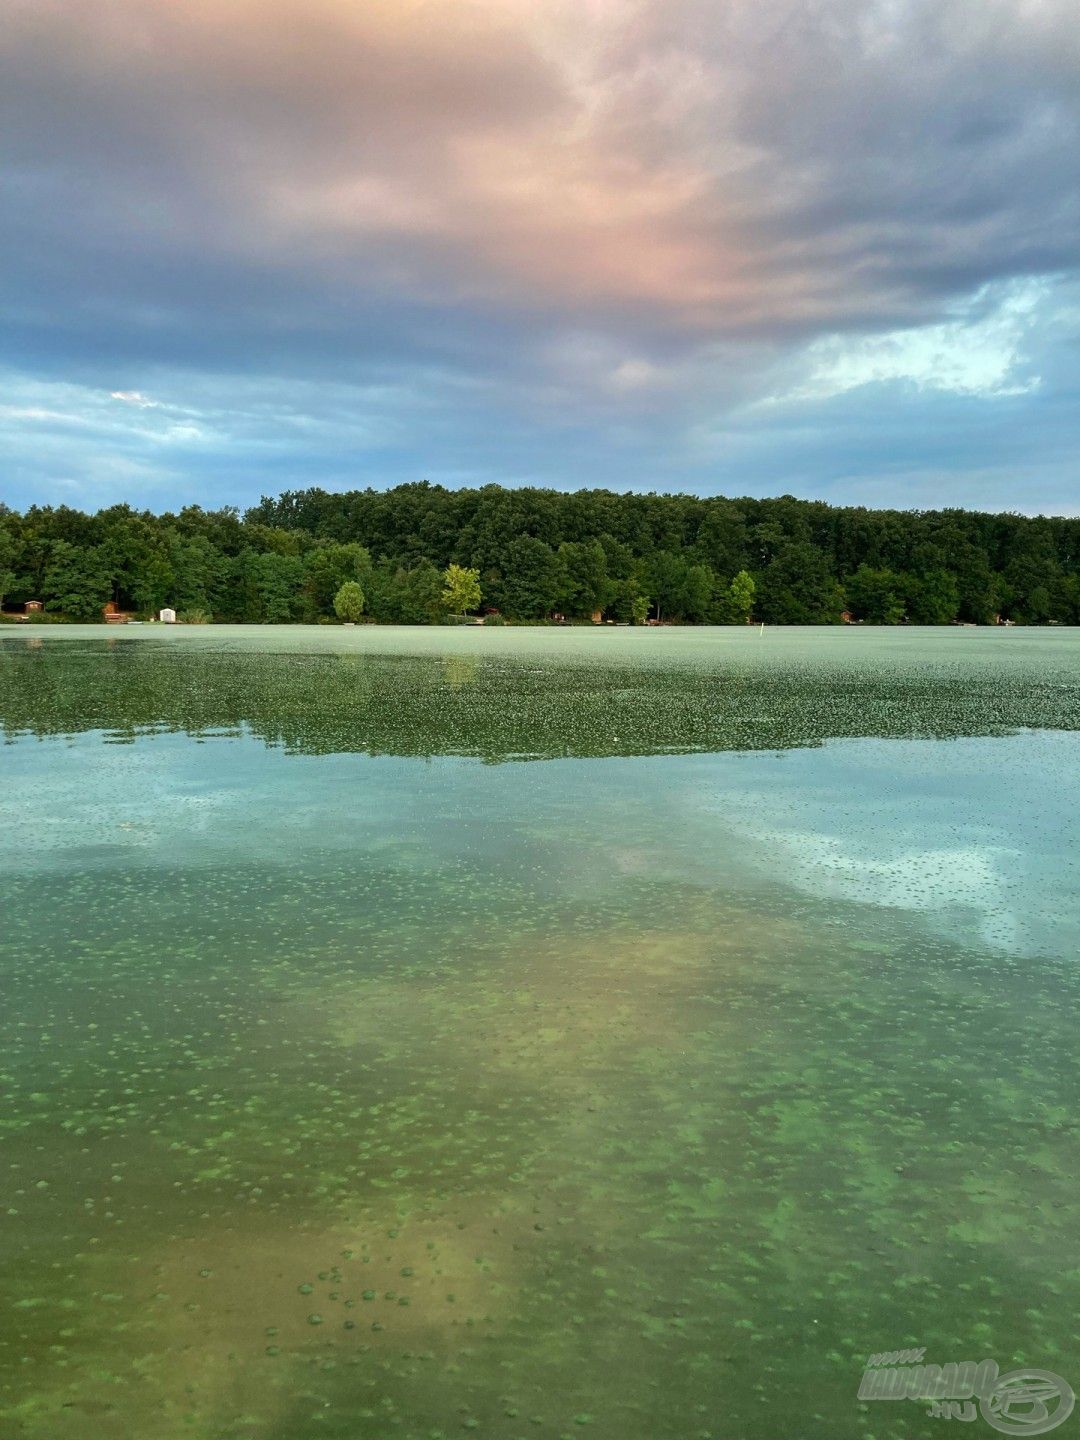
{"x": 327, "y": 567}
{"x": 741, "y": 594}
{"x": 530, "y": 584}
{"x": 583, "y": 585}
{"x": 876, "y": 595}
{"x": 797, "y": 588}
{"x": 461, "y": 589}
{"x": 77, "y": 581}
{"x": 8, "y": 549}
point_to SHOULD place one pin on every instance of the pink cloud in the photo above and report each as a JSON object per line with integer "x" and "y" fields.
{"x": 703, "y": 168}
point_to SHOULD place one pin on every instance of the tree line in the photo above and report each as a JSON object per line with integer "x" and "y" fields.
{"x": 538, "y": 554}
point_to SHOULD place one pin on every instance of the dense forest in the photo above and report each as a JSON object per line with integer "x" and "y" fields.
{"x": 543, "y": 553}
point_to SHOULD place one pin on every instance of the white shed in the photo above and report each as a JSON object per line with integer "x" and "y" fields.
{"x": 167, "y": 616}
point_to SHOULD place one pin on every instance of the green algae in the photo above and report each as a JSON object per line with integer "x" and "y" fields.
{"x": 657, "y": 1132}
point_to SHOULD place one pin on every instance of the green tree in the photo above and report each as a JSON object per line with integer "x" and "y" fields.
{"x": 721, "y": 537}
{"x": 422, "y": 599}
{"x": 583, "y": 578}
{"x": 7, "y": 563}
{"x": 639, "y": 608}
{"x": 682, "y": 589}
{"x": 77, "y": 581}
{"x": 537, "y": 550}
{"x": 530, "y": 584}
{"x": 696, "y": 594}
{"x": 195, "y": 565}
{"x": 978, "y": 587}
{"x": 135, "y": 551}
{"x": 797, "y": 588}
{"x": 875, "y": 595}
{"x": 932, "y": 598}
{"x": 349, "y": 602}
{"x": 741, "y": 593}
{"x": 461, "y": 589}
{"x": 1067, "y": 599}
{"x": 383, "y": 593}
{"x": 1031, "y": 575}
{"x": 326, "y": 568}
{"x": 273, "y": 584}
{"x": 665, "y": 578}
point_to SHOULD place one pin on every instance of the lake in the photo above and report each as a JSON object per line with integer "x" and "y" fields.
{"x": 532, "y": 1033}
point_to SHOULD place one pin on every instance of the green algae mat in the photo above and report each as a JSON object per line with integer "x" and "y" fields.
{"x": 600, "y": 1033}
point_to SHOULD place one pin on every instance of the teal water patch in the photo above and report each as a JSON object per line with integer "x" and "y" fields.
{"x": 623, "y": 1095}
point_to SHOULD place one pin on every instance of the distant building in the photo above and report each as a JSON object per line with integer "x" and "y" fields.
{"x": 32, "y": 605}
{"x": 167, "y": 616}
{"x": 113, "y": 615}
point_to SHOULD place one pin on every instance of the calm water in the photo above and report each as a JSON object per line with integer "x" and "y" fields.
{"x": 609, "y": 1034}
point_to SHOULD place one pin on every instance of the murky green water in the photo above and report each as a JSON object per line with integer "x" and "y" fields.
{"x": 529, "y": 1034}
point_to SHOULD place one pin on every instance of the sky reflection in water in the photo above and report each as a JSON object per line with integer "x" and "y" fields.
{"x": 361, "y": 1086}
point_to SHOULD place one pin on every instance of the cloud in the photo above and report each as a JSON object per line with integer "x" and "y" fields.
{"x": 713, "y": 167}
{"x": 872, "y": 823}
{"x": 980, "y": 353}
{"x": 686, "y": 197}
{"x": 133, "y": 397}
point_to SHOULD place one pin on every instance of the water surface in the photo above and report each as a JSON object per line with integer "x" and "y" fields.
{"x": 529, "y": 1033}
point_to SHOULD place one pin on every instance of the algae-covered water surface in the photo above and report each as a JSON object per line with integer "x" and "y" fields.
{"x": 610, "y": 1034}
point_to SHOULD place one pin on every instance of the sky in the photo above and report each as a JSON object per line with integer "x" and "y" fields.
{"x": 828, "y": 248}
